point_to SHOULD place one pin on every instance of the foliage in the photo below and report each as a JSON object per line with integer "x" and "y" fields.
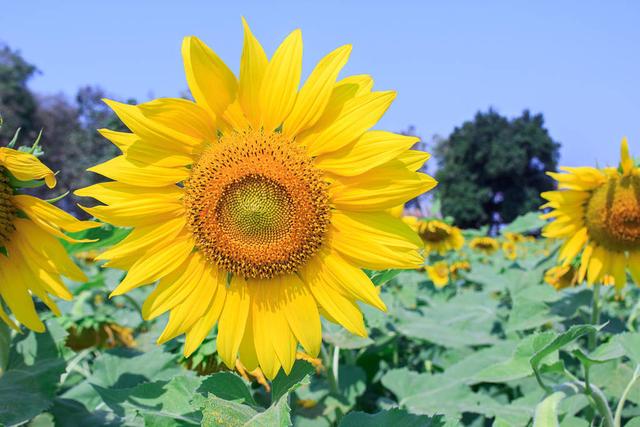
{"x": 494, "y": 347}
{"x": 492, "y": 169}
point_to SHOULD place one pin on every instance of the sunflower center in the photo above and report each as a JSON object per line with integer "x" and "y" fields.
{"x": 613, "y": 214}
{"x": 256, "y": 205}
{"x": 433, "y": 232}
{"x": 256, "y": 209}
{"x": 7, "y": 210}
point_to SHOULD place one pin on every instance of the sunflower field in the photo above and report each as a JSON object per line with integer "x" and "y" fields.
{"x": 250, "y": 257}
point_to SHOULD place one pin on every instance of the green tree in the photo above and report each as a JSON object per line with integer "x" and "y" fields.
{"x": 492, "y": 169}
{"x": 17, "y": 104}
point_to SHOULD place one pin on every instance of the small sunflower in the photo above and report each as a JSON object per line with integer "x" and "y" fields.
{"x": 486, "y": 245}
{"x": 561, "y": 276}
{"x": 457, "y": 267}
{"x": 437, "y": 236}
{"x": 518, "y": 237}
{"x": 597, "y": 214}
{"x": 439, "y": 274}
{"x": 32, "y": 259}
{"x": 257, "y": 205}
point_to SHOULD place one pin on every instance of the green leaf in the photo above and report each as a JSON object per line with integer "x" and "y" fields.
{"x": 219, "y": 412}
{"x": 464, "y": 320}
{"x": 283, "y": 384}
{"x": 228, "y": 386}
{"x": 393, "y": 417}
{"x": 278, "y": 415}
{"x": 340, "y": 337}
{"x": 525, "y": 223}
{"x": 30, "y": 382}
{"x": 559, "y": 342}
{"x": 609, "y": 351}
{"x": 630, "y": 342}
{"x": 518, "y": 365}
{"x": 104, "y": 237}
{"x": 546, "y": 414}
{"x": 166, "y": 402}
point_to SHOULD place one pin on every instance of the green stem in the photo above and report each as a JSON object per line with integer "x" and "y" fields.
{"x": 335, "y": 366}
{"x": 595, "y": 316}
{"x": 599, "y": 399}
{"x": 5, "y": 346}
{"x": 618, "y": 418}
{"x": 326, "y": 360}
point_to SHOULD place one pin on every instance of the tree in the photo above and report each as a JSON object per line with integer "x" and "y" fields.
{"x": 492, "y": 169}
{"x": 17, "y": 103}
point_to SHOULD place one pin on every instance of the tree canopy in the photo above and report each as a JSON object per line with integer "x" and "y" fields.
{"x": 492, "y": 169}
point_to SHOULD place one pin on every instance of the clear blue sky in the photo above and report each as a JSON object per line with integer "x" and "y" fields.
{"x": 578, "y": 62}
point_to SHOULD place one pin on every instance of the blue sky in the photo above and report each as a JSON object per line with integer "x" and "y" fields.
{"x": 578, "y": 62}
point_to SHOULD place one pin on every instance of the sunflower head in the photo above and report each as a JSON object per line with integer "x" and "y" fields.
{"x": 439, "y": 273}
{"x": 562, "y": 276}
{"x": 486, "y": 245}
{"x": 596, "y": 212}
{"x": 437, "y": 236}
{"x": 458, "y": 267}
{"x": 257, "y": 206}
{"x": 32, "y": 260}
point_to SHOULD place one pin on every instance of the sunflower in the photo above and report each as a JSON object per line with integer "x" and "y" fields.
{"x": 257, "y": 206}
{"x": 597, "y": 214}
{"x": 439, "y": 274}
{"x": 32, "y": 259}
{"x": 561, "y": 276}
{"x": 486, "y": 245}
{"x": 437, "y": 236}
{"x": 457, "y": 267}
{"x": 518, "y": 237}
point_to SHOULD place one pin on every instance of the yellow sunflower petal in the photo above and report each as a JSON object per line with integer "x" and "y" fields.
{"x": 138, "y": 212}
{"x": 212, "y": 84}
{"x": 340, "y": 309}
{"x": 252, "y": 67}
{"x": 617, "y": 268}
{"x": 597, "y": 265}
{"x": 626, "y": 162}
{"x": 203, "y": 326}
{"x": 380, "y": 188}
{"x": 358, "y": 115}
{"x": 314, "y": 95}
{"x": 155, "y": 264}
{"x": 123, "y": 170}
{"x": 280, "y": 82}
{"x": 302, "y": 315}
{"x": 349, "y": 280}
{"x": 375, "y": 240}
{"x": 179, "y": 124}
{"x": 372, "y": 149}
{"x": 25, "y": 166}
{"x": 634, "y": 266}
{"x": 232, "y": 321}
{"x": 49, "y": 249}
{"x": 15, "y": 293}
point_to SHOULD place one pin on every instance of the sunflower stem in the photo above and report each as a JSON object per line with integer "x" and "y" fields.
{"x": 595, "y": 316}
{"x": 5, "y": 344}
{"x": 617, "y": 420}
{"x": 333, "y": 383}
{"x": 335, "y": 366}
